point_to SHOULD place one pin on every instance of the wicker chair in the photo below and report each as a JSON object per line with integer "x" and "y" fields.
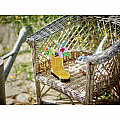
{"x": 83, "y": 35}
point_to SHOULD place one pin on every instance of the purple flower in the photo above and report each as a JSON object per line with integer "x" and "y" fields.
{"x": 60, "y": 54}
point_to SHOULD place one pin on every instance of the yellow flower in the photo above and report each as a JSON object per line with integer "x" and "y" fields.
{"x": 5, "y": 29}
{"x": 18, "y": 72}
{"x": 88, "y": 23}
{"x": 22, "y": 77}
{"x": 80, "y": 40}
{"x": 41, "y": 16}
{"x": 25, "y": 83}
{"x": 16, "y": 16}
{"x": 13, "y": 76}
{"x": 77, "y": 38}
{"x": 0, "y": 54}
{"x": 69, "y": 23}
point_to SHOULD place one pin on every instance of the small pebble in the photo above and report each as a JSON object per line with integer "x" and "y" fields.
{"x": 9, "y": 101}
{"x": 23, "y": 98}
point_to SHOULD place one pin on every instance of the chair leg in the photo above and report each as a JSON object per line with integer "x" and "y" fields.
{"x": 96, "y": 99}
{"x": 38, "y": 91}
{"x": 119, "y": 93}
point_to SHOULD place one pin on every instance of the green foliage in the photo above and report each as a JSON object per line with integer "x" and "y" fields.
{"x": 107, "y": 95}
{"x": 34, "y": 21}
{"x": 5, "y": 49}
{"x": 59, "y": 96}
{"x": 4, "y": 19}
{"x": 25, "y": 69}
{"x": 47, "y": 53}
{"x": 66, "y": 54}
{"x": 1, "y": 39}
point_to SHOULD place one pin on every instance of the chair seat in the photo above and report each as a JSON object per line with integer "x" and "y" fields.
{"x": 74, "y": 88}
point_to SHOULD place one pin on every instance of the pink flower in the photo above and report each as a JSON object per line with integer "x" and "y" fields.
{"x": 62, "y": 49}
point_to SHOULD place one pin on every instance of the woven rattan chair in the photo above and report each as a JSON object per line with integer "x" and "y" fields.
{"x": 83, "y": 35}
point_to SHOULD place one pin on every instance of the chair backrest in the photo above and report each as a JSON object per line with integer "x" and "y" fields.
{"x": 81, "y": 33}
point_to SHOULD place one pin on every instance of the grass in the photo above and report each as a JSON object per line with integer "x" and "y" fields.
{"x": 36, "y": 22}
{"x": 23, "y": 69}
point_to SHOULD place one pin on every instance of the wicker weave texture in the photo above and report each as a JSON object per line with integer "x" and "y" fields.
{"x": 82, "y": 35}
{"x": 75, "y": 88}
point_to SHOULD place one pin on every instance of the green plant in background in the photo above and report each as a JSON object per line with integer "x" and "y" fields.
{"x": 25, "y": 68}
{"x": 59, "y": 96}
{"x": 107, "y": 95}
{"x": 34, "y": 21}
{"x": 5, "y": 49}
{"x": 22, "y": 71}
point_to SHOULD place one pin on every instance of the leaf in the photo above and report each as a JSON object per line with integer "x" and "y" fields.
{"x": 50, "y": 53}
{"x": 99, "y": 34}
{"x": 46, "y": 53}
{"x": 66, "y": 54}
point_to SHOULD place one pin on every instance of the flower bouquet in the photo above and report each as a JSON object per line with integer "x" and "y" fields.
{"x": 61, "y": 52}
{"x": 57, "y": 68}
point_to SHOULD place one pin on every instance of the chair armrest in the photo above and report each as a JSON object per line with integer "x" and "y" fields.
{"x": 90, "y": 71}
{"x": 105, "y": 55}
